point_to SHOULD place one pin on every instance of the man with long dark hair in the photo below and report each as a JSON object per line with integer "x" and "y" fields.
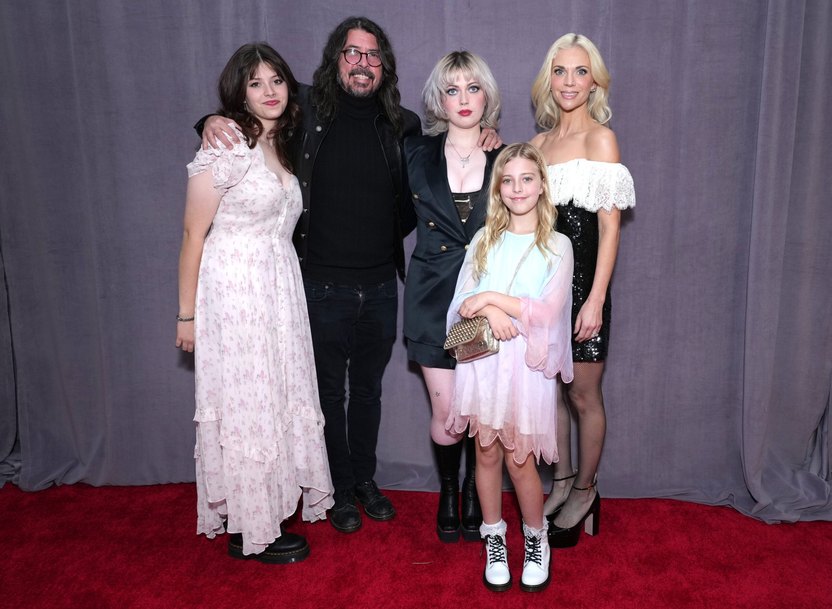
{"x": 349, "y": 241}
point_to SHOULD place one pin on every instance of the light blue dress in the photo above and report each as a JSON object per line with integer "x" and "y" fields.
{"x": 511, "y": 395}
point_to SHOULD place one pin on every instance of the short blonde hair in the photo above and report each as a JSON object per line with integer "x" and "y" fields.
{"x": 546, "y": 111}
{"x": 497, "y": 220}
{"x": 433, "y": 93}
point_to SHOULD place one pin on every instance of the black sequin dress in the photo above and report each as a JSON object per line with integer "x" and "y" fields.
{"x": 580, "y": 189}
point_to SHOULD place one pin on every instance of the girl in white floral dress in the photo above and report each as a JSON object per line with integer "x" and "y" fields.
{"x": 259, "y": 427}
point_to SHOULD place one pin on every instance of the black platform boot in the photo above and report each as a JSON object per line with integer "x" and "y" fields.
{"x": 471, "y": 512}
{"x": 447, "y": 517}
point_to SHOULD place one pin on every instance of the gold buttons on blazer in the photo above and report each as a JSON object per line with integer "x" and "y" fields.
{"x": 431, "y": 224}
{"x": 443, "y": 248}
{"x": 466, "y": 246}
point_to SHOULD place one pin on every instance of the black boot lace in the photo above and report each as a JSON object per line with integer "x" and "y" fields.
{"x": 495, "y": 549}
{"x": 534, "y": 551}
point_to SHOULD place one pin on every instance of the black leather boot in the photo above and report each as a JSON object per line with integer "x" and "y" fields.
{"x": 471, "y": 512}
{"x": 287, "y": 548}
{"x": 447, "y": 517}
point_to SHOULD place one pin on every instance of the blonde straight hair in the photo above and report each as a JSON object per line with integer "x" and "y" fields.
{"x": 497, "y": 220}
{"x": 546, "y": 111}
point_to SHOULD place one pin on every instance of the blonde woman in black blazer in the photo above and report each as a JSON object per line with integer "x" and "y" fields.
{"x": 448, "y": 172}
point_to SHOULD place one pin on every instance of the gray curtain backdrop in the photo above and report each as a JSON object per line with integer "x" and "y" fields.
{"x": 719, "y": 375}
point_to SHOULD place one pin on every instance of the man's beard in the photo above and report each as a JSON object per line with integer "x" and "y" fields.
{"x": 363, "y": 92}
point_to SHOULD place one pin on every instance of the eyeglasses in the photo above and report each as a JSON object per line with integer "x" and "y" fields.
{"x": 353, "y": 57}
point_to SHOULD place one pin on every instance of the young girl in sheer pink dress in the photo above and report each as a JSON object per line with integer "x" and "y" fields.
{"x": 517, "y": 273}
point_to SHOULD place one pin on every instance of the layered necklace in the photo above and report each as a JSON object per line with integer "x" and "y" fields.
{"x": 463, "y": 159}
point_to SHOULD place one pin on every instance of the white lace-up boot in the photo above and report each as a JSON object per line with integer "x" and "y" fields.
{"x": 496, "y": 577}
{"x": 536, "y": 562}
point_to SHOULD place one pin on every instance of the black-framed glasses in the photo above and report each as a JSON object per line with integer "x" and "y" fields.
{"x": 353, "y": 57}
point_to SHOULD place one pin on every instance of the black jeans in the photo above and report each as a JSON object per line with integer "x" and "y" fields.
{"x": 353, "y": 330}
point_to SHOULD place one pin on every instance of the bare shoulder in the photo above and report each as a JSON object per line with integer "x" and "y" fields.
{"x": 547, "y": 145}
{"x": 602, "y": 145}
{"x": 538, "y": 140}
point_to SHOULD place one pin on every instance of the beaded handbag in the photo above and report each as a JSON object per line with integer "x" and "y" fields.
{"x": 471, "y": 339}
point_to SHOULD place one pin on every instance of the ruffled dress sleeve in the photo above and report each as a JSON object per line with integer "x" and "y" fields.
{"x": 592, "y": 185}
{"x": 546, "y": 321}
{"x": 227, "y": 167}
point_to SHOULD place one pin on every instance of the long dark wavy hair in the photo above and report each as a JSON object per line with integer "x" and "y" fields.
{"x": 325, "y": 81}
{"x": 232, "y": 91}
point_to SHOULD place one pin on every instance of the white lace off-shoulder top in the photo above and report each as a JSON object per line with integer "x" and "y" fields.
{"x": 592, "y": 185}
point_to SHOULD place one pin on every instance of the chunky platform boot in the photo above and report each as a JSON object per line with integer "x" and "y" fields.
{"x": 471, "y": 512}
{"x": 496, "y": 575}
{"x": 536, "y": 561}
{"x": 447, "y": 516}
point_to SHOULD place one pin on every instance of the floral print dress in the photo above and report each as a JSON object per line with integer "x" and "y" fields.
{"x": 259, "y": 428}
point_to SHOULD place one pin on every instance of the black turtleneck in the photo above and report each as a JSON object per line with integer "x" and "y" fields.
{"x": 351, "y": 229}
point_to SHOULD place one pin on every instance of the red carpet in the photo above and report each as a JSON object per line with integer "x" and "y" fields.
{"x": 135, "y": 547}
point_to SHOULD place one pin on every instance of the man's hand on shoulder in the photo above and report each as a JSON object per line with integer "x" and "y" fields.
{"x": 218, "y": 131}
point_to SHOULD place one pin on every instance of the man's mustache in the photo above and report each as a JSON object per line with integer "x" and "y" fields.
{"x": 361, "y": 71}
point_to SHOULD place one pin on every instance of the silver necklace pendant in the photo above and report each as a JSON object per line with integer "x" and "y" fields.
{"x": 464, "y": 160}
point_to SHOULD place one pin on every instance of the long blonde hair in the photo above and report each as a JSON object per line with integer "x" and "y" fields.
{"x": 497, "y": 220}
{"x": 546, "y": 111}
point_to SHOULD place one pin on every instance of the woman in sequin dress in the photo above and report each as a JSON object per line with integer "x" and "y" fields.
{"x": 259, "y": 428}
{"x": 590, "y": 187}
{"x": 448, "y": 173}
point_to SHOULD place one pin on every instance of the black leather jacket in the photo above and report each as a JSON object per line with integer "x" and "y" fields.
{"x": 306, "y": 142}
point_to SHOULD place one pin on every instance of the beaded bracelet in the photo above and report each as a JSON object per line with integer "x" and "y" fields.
{"x": 180, "y": 318}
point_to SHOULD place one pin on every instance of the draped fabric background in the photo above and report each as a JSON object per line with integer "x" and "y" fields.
{"x": 720, "y": 370}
